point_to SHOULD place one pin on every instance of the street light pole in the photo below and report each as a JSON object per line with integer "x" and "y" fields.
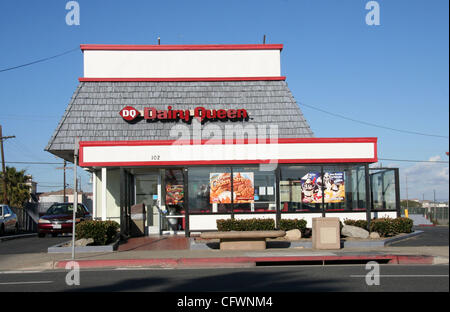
{"x": 75, "y": 195}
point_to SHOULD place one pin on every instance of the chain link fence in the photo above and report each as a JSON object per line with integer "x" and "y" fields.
{"x": 437, "y": 215}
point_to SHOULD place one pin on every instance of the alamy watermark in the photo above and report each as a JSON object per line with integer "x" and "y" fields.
{"x": 73, "y": 16}
{"x": 373, "y": 16}
{"x": 73, "y": 276}
{"x": 259, "y": 139}
{"x": 373, "y": 276}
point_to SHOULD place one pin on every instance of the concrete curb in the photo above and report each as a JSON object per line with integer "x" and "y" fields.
{"x": 246, "y": 261}
{"x": 308, "y": 245}
{"x": 396, "y": 239}
{"x": 85, "y": 249}
{"x": 10, "y": 237}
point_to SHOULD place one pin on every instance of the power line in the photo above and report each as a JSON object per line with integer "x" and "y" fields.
{"x": 372, "y": 124}
{"x": 417, "y": 161}
{"x": 32, "y": 163}
{"x": 40, "y": 60}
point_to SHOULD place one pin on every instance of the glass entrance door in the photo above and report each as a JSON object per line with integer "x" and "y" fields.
{"x": 148, "y": 192}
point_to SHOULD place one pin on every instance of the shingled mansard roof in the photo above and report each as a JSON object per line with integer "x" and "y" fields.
{"x": 93, "y": 112}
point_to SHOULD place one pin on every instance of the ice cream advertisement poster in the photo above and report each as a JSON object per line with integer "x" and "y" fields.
{"x": 311, "y": 188}
{"x": 220, "y": 187}
{"x": 333, "y": 187}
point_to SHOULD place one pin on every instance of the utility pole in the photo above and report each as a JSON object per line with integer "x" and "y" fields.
{"x": 407, "y": 200}
{"x": 65, "y": 184}
{"x": 2, "y": 138}
{"x": 434, "y": 204}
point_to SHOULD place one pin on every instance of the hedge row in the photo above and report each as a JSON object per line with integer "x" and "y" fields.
{"x": 245, "y": 225}
{"x": 385, "y": 226}
{"x": 260, "y": 225}
{"x": 390, "y": 227}
{"x": 103, "y": 232}
{"x": 292, "y": 224}
{"x": 358, "y": 223}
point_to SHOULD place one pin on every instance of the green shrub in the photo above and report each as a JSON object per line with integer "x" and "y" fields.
{"x": 103, "y": 232}
{"x": 292, "y": 224}
{"x": 390, "y": 227}
{"x": 245, "y": 225}
{"x": 359, "y": 223}
{"x": 402, "y": 225}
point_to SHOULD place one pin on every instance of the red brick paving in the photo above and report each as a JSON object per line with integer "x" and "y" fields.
{"x": 155, "y": 243}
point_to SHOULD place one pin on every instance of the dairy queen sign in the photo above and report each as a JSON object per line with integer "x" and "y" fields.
{"x": 129, "y": 113}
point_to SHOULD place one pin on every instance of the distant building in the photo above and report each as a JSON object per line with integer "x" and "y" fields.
{"x": 58, "y": 197}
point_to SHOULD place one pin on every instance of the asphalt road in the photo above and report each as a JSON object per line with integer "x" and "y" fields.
{"x": 331, "y": 278}
{"x": 32, "y": 244}
{"x": 431, "y": 236}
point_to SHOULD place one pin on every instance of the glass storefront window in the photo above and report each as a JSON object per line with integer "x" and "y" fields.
{"x": 383, "y": 189}
{"x": 209, "y": 189}
{"x": 253, "y": 190}
{"x": 300, "y": 189}
{"x": 358, "y": 177}
{"x": 337, "y": 188}
{"x": 344, "y": 188}
{"x": 174, "y": 197}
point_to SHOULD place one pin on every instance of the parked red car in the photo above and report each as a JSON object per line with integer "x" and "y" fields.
{"x": 59, "y": 219}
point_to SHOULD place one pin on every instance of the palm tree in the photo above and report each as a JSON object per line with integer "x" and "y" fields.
{"x": 18, "y": 192}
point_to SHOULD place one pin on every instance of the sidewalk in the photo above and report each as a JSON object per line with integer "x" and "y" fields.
{"x": 217, "y": 258}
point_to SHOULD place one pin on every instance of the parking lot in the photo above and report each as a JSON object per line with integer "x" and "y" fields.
{"x": 31, "y": 244}
{"x": 431, "y": 236}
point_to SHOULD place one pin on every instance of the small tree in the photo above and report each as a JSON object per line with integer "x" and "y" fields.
{"x": 17, "y": 191}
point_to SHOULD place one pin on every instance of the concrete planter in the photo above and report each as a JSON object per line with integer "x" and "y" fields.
{"x": 307, "y": 243}
{"x": 86, "y": 249}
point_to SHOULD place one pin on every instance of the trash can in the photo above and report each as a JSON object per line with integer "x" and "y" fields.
{"x": 137, "y": 220}
{"x": 326, "y": 233}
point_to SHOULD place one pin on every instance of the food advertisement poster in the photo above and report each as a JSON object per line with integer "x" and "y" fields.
{"x": 243, "y": 187}
{"x": 220, "y": 188}
{"x": 333, "y": 186}
{"x": 311, "y": 188}
{"x": 174, "y": 194}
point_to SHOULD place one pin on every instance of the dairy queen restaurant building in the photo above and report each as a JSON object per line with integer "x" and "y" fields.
{"x": 178, "y": 136}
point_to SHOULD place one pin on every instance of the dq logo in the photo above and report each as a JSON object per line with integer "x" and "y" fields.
{"x": 129, "y": 113}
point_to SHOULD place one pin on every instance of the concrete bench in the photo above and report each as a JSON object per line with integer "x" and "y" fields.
{"x": 243, "y": 240}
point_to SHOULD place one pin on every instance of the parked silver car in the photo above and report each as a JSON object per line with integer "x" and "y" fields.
{"x": 8, "y": 220}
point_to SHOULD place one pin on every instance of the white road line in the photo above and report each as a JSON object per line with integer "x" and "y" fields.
{"x": 19, "y": 272}
{"x": 23, "y": 283}
{"x": 444, "y": 275}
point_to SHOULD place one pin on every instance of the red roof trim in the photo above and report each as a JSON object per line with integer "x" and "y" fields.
{"x": 83, "y": 79}
{"x": 181, "y": 47}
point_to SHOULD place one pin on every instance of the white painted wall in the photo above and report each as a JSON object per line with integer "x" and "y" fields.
{"x": 208, "y": 222}
{"x": 214, "y": 152}
{"x": 181, "y": 64}
{"x": 113, "y": 195}
{"x": 305, "y": 216}
{"x": 205, "y": 222}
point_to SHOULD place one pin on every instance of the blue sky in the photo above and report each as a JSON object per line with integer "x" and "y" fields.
{"x": 395, "y": 74}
